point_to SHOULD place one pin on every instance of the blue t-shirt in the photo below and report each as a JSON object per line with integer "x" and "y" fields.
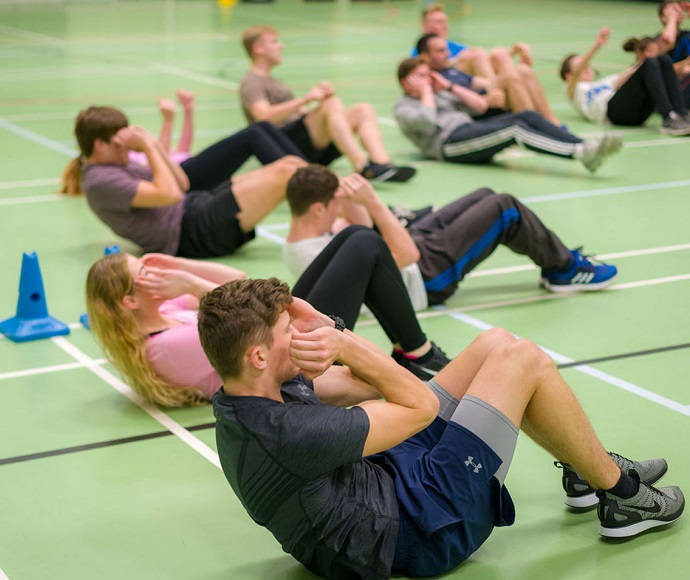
{"x": 681, "y": 49}
{"x": 455, "y": 49}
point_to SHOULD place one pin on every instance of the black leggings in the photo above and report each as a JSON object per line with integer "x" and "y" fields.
{"x": 652, "y": 86}
{"x": 217, "y": 163}
{"x": 357, "y": 267}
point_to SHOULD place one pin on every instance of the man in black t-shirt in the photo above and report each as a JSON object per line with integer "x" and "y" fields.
{"x": 413, "y": 482}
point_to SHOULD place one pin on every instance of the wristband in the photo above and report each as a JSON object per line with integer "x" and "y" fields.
{"x": 339, "y": 323}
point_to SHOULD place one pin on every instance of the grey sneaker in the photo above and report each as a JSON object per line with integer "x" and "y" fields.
{"x": 428, "y": 369}
{"x": 579, "y": 494}
{"x": 675, "y": 124}
{"x": 649, "y": 508}
{"x": 595, "y": 151}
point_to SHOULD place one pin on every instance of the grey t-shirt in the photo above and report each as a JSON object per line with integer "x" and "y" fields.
{"x": 427, "y": 128}
{"x": 110, "y": 190}
{"x": 255, "y": 88}
{"x": 297, "y": 468}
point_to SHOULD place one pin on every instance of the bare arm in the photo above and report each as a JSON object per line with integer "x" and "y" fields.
{"x": 164, "y": 188}
{"x": 409, "y": 404}
{"x": 468, "y": 97}
{"x": 623, "y": 77}
{"x": 211, "y": 271}
{"x": 194, "y": 277}
{"x": 339, "y": 387}
{"x": 281, "y": 112}
{"x": 357, "y": 190}
{"x": 602, "y": 38}
{"x": 674, "y": 16}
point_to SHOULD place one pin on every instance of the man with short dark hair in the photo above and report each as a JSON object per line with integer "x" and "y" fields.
{"x": 437, "y": 116}
{"x": 323, "y": 132}
{"x": 435, "y": 253}
{"x": 411, "y": 483}
{"x": 516, "y": 89}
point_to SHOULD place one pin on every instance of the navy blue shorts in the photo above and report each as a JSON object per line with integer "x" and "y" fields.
{"x": 448, "y": 497}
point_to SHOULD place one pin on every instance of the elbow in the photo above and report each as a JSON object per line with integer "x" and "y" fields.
{"x": 481, "y": 107}
{"x": 430, "y": 408}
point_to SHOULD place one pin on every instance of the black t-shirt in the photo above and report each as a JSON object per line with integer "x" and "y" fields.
{"x": 297, "y": 468}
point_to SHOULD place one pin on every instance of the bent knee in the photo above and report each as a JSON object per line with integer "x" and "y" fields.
{"x": 332, "y": 104}
{"x": 497, "y": 337}
{"x": 528, "y": 356}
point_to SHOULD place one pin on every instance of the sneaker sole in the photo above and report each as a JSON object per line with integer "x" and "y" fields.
{"x": 397, "y": 175}
{"x": 572, "y": 288}
{"x": 582, "y": 502}
{"x": 676, "y": 132}
{"x": 638, "y": 528}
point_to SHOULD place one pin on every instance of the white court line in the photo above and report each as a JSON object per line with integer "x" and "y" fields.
{"x": 173, "y": 426}
{"x": 269, "y": 235}
{"x": 3, "y": 576}
{"x": 30, "y": 199}
{"x": 191, "y": 75}
{"x": 36, "y": 138}
{"x": 434, "y": 313}
{"x": 28, "y": 183}
{"x": 611, "y": 256}
{"x": 586, "y": 369}
{"x": 50, "y": 369}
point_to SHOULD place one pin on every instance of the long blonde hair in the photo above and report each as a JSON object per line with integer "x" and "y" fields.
{"x": 119, "y": 335}
{"x": 91, "y": 124}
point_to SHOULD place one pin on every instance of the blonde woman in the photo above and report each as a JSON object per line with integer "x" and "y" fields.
{"x": 143, "y": 313}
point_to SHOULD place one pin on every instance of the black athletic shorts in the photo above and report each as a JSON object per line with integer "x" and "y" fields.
{"x": 209, "y": 224}
{"x": 297, "y": 132}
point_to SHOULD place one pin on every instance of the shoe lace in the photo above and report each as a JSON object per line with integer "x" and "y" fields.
{"x": 586, "y": 257}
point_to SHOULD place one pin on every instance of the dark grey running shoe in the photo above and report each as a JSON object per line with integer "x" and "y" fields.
{"x": 579, "y": 494}
{"x": 649, "y": 508}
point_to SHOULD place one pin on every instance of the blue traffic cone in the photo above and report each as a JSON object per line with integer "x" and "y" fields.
{"x": 84, "y": 318}
{"x": 32, "y": 321}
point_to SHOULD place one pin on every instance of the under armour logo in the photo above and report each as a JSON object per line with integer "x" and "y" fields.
{"x": 304, "y": 390}
{"x": 477, "y": 466}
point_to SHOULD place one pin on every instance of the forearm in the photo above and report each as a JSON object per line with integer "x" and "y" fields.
{"x": 163, "y": 179}
{"x": 179, "y": 175}
{"x": 397, "y": 238}
{"x": 376, "y": 368}
{"x": 577, "y": 72}
{"x": 282, "y": 112}
{"x": 469, "y": 98}
{"x": 215, "y": 273}
{"x": 667, "y": 38}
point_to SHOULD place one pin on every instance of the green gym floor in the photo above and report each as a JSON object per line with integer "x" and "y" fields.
{"x": 96, "y": 484}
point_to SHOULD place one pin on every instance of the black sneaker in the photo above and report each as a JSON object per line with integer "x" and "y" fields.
{"x": 648, "y": 508}
{"x": 387, "y": 172}
{"x": 579, "y": 494}
{"x": 408, "y": 216}
{"x": 429, "y": 368}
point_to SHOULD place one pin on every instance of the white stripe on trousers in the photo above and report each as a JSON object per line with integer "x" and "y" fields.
{"x": 521, "y": 136}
